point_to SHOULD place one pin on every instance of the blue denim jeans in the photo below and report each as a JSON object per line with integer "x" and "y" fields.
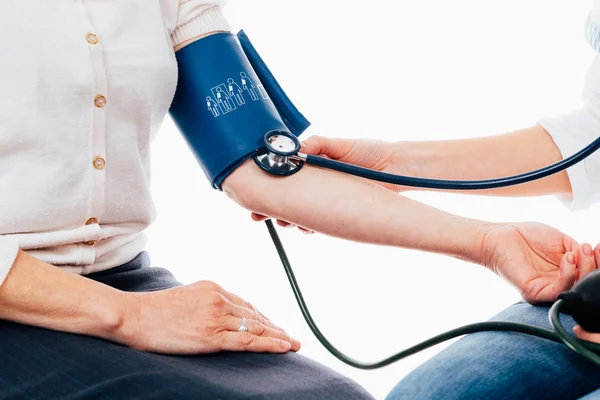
{"x": 499, "y": 365}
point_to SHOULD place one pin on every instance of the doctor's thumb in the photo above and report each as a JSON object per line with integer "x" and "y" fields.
{"x": 323, "y": 146}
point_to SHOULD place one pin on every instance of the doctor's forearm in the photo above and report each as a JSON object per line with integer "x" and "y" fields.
{"x": 487, "y": 157}
{"x": 355, "y": 209}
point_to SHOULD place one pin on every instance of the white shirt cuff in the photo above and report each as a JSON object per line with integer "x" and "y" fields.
{"x": 9, "y": 249}
{"x": 581, "y": 197}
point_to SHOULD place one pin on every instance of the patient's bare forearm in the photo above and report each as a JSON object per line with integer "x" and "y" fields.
{"x": 487, "y": 157}
{"x": 356, "y": 209}
{"x": 40, "y": 294}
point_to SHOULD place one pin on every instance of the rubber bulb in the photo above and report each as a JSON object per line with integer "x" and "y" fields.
{"x": 583, "y": 302}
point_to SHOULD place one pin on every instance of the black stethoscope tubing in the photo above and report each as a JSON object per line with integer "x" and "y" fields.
{"x": 295, "y": 162}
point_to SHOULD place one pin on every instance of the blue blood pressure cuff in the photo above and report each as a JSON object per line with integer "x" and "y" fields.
{"x": 226, "y": 101}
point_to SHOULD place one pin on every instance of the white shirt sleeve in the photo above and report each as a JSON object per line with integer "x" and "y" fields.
{"x": 186, "y": 19}
{"x": 576, "y": 130}
{"x": 8, "y": 252}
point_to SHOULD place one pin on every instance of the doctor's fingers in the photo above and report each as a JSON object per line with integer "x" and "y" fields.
{"x": 260, "y": 218}
{"x": 332, "y": 148}
{"x": 584, "y": 335}
{"x": 284, "y": 224}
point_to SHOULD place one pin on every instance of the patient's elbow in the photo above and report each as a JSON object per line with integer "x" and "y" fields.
{"x": 246, "y": 186}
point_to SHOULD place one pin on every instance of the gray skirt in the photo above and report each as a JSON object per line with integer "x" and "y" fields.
{"x": 37, "y": 363}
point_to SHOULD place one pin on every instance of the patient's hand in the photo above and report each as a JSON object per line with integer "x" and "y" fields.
{"x": 540, "y": 261}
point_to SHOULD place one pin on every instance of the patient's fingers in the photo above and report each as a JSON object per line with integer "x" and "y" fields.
{"x": 566, "y": 279}
{"x": 586, "y": 261}
{"x": 597, "y": 255}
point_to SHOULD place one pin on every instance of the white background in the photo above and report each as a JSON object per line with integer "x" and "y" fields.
{"x": 413, "y": 70}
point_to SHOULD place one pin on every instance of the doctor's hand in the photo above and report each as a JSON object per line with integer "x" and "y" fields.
{"x": 372, "y": 154}
{"x": 585, "y": 335}
{"x": 260, "y": 218}
{"x": 578, "y": 330}
{"x": 538, "y": 260}
{"x": 198, "y": 318}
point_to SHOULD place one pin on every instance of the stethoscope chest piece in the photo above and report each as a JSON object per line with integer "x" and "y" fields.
{"x": 281, "y": 147}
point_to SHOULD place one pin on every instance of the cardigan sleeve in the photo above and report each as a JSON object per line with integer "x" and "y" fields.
{"x": 8, "y": 253}
{"x": 186, "y": 19}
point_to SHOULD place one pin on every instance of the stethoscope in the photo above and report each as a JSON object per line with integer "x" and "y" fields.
{"x": 282, "y": 157}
